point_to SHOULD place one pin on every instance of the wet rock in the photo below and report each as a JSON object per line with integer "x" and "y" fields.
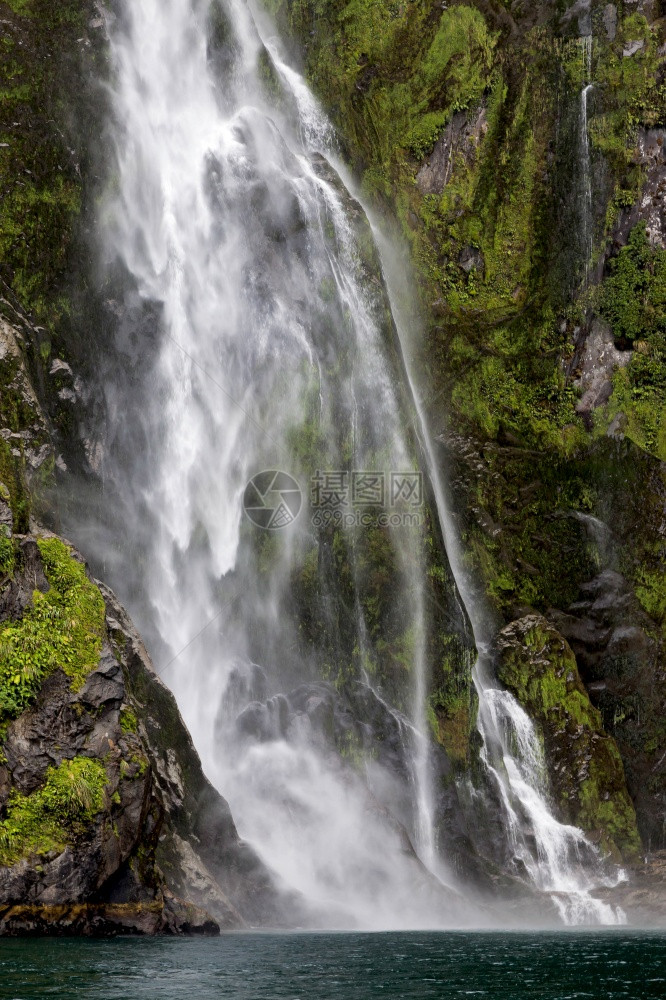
{"x": 631, "y": 48}
{"x": 610, "y": 21}
{"x": 616, "y": 428}
{"x": 68, "y": 386}
{"x": 460, "y": 138}
{"x": 375, "y": 742}
{"x": 619, "y": 657}
{"x": 168, "y": 915}
{"x": 160, "y": 841}
{"x": 598, "y": 359}
{"x": 104, "y": 685}
{"x": 642, "y": 895}
{"x": 587, "y": 777}
{"x": 471, "y": 259}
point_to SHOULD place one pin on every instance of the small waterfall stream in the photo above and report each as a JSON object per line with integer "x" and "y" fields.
{"x": 254, "y": 336}
{"x": 585, "y": 190}
{"x": 558, "y": 858}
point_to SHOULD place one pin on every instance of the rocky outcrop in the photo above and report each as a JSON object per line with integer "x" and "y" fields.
{"x": 596, "y": 361}
{"x": 459, "y": 141}
{"x": 584, "y": 765}
{"x": 107, "y": 822}
{"x": 620, "y": 662}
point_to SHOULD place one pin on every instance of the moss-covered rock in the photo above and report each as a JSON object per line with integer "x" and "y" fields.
{"x": 94, "y": 756}
{"x": 47, "y": 819}
{"x": 103, "y": 802}
{"x": 584, "y": 765}
{"x": 63, "y": 628}
{"x": 466, "y": 125}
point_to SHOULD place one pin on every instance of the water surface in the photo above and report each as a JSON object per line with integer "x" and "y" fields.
{"x": 511, "y": 966}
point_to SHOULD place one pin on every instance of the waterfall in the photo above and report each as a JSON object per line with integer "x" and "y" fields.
{"x": 558, "y": 858}
{"x": 255, "y": 366}
{"x": 585, "y": 190}
{"x": 258, "y": 368}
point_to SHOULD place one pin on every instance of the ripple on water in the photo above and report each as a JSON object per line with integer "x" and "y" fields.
{"x": 447, "y": 966}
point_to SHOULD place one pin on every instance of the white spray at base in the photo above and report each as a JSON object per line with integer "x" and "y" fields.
{"x": 213, "y": 182}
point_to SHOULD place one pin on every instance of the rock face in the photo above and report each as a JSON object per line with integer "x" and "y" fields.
{"x": 599, "y": 359}
{"x": 584, "y": 765}
{"x": 459, "y": 140}
{"x": 620, "y": 662}
{"x": 106, "y": 819}
{"x": 107, "y": 822}
{"x": 650, "y": 155}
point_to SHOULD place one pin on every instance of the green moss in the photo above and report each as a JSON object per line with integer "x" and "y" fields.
{"x": 22, "y": 7}
{"x": 452, "y": 724}
{"x": 544, "y": 678}
{"x": 6, "y": 553}
{"x": 611, "y": 817}
{"x": 585, "y": 766}
{"x": 651, "y": 591}
{"x": 39, "y": 180}
{"x": 128, "y": 721}
{"x": 634, "y": 294}
{"x": 63, "y": 629}
{"x": 54, "y": 815}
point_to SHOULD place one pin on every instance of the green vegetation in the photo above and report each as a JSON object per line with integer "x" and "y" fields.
{"x": 12, "y": 480}
{"x": 54, "y": 815}
{"x": 128, "y": 721}
{"x": 63, "y": 629}
{"x": 608, "y": 814}
{"x": 633, "y": 300}
{"x": 633, "y": 296}
{"x": 633, "y": 94}
{"x": 538, "y": 666}
{"x": 39, "y": 181}
{"x": 6, "y": 553}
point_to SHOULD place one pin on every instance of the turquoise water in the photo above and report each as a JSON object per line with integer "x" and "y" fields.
{"x": 511, "y": 966}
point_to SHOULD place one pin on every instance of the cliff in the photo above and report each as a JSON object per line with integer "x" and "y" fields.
{"x": 539, "y": 256}
{"x": 107, "y": 823}
{"x": 521, "y": 149}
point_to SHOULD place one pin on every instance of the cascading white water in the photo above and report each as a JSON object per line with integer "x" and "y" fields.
{"x": 556, "y": 856}
{"x": 238, "y": 242}
{"x": 585, "y": 194}
{"x": 264, "y": 330}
